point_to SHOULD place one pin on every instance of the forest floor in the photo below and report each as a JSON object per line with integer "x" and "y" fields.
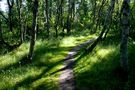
{"x": 67, "y": 81}
{"x": 98, "y": 70}
{"x": 40, "y": 74}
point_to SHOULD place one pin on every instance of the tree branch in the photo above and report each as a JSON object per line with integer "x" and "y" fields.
{"x": 3, "y": 16}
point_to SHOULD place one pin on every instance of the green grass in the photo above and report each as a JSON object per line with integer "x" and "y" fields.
{"x": 15, "y": 73}
{"x": 99, "y": 70}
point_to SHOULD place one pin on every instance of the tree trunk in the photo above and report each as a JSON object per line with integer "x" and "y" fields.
{"x": 125, "y": 22}
{"x": 0, "y": 31}
{"x": 34, "y": 30}
{"x": 50, "y": 8}
{"x": 47, "y": 16}
{"x": 69, "y": 17}
{"x": 10, "y": 16}
{"x": 107, "y": 20}
{"x": 99, "y": 15}
{"x": 111, "y": 9}
{"x": 94, "y": 14}
{"x": 19, "y": 9}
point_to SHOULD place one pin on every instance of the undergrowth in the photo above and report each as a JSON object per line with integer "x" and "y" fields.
{"x": 100, "y": 69}
{"x": 17, "y": 74}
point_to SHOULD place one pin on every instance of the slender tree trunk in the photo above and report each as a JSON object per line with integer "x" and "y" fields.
{"x": 99, "y": 15}
{"x": 10, "y": 16}
{"x": 34, "y": 30}
{"x": 94, "y": 14}
{"x": 69, "y": 17}
{"x": 0, "y": 31}
{"x": 111, "y": 9}
{"x": 47, "y": 16}
{"x": 107, "y": 19}
{"x": 125, "y": 22}
{"x": 59, "y": 18}
{"x": 61, "y": 12}
{"x": 50, "y": 8}
{"x": 19, "y": 9}
{"x": 72, "y": 13}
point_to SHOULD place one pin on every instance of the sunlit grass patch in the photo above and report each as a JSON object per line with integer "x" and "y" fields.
{"x": 43, "y": 72}
{"x": 104, "y": 51}
{"x": 68, "y": 42}
{"x": 14, "y": 56}
{"x": 48, "y": 82}
{"x": 99, "y": 70}
{"x": 13, "y": 76}
{"x": 95, "y": 69}
{"x": 98, "y": 55}
{"x": 73, "y": 41}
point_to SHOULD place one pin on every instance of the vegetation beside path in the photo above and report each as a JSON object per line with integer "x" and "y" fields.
{"x": 15, "y": 73}
{"x": 100, "y": 69}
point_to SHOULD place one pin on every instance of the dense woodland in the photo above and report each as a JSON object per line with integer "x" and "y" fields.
{"x": 36, "y": 36}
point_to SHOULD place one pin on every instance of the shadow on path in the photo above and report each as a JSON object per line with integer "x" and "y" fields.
{"x": 66, "y": 78}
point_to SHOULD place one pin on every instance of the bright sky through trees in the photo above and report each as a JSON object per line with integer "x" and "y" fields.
{"x": 3, "y": 5}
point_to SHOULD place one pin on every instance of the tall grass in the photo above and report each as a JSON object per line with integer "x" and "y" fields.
{"x": 100, "y": 69}
{"x": 16, "y": 73}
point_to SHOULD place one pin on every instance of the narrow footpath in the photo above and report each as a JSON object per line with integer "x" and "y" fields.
{"x": 66, "y": 79}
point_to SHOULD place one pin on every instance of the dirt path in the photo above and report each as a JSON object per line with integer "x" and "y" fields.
{"x": 66, "y": 78}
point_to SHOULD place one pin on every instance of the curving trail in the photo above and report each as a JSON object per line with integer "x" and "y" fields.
{"x": 66, "y": 79}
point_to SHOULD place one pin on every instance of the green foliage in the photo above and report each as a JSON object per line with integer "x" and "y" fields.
{"x": 17, "y": 73}
{"x": 100, "y": 69}
{"x": 21, "y": 75}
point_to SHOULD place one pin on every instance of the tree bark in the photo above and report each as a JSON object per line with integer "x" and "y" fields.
{"x": 34, "y": 30}
{"x": 19, "y": 9}
{"x": 0, "y": 30}
{"x": 125, "y": 23}
{"x": 47, "y": 16}
{"x": 10, "y": 16}
{"x": 111, "y": 9}
{"x": 69, "y": 17}
{"x": 107, "y": 19}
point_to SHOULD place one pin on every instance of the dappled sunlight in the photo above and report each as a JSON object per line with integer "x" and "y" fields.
{"x": 103, "y": 52}
{"x": 42, "y": 72}
{"x": 68, "y": 42}
{"x": 73, "y": 41}
{"x": 13, "y": 76}
{"x": 47, "y": 55}
{"x": 98, "y": 67}
{"x": 14, "y": 56}
{"x": 47, "y": 81}
{"x": 98, "y": 55}
{"x": 134, "y": 42}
